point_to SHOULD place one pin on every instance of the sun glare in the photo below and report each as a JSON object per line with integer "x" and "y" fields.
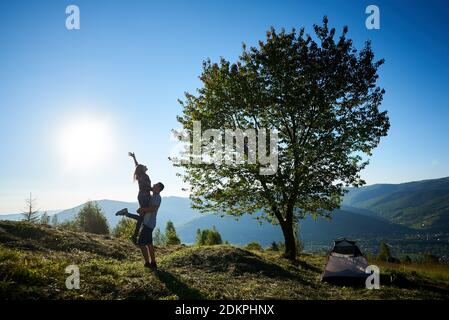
{"x": 85, "y": 143}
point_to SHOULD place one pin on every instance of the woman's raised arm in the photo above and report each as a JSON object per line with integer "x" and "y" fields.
{"x": 132, "y": 155}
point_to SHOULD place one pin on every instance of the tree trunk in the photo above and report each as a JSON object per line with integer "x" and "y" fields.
{"x": 289, "y": 237}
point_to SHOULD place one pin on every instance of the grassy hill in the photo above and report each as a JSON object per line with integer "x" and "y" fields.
{"x": 415, "y": 204}
{"x": 33, "y": 259}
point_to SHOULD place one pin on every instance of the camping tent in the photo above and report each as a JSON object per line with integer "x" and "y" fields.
{"x": 346, "y": 264}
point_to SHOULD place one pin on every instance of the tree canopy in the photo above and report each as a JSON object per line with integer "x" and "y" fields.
{"x": 319, "y": 94}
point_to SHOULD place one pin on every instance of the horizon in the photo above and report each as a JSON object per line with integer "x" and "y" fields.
{"x": 56, "y": 211}
{"x": 116, "y": 82}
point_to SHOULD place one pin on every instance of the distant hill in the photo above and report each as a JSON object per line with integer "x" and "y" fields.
{"x": 351, "y": 222}
{"x": 347, "y": 223}
{"x": 176, "y": 209}
{"x": 418, "y": 204}
{"x": 371, "y": 211}
{"x": 247, "y": 228}
{"x": 19, "y": 216}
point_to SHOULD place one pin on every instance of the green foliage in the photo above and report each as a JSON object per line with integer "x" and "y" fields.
{"x": 299, "y": 245}
{"x": 44, "y": 219}
{"x": 430, "y": 258}
{"x": 385, "y": 254}
{"x": 407, "y": 260}
{"x": 71, "y": 225}
{"x": 124, "y": 228}
{"x": 274, "y": 246}
{"x": 54, "y": 220}
{"x": 91, "y": 219}
{"x": 159, "y": 239}
{"x": 170, "y": 234}
{"x": 254, "y": 245}
{"x": 319, "y": 94}
{"x": 208, "y": 237}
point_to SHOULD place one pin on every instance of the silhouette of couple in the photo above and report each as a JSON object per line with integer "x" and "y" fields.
{"x": 149, "y": 201}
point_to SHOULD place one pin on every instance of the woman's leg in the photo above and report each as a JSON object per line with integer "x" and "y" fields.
{"x": 133, "y": 216}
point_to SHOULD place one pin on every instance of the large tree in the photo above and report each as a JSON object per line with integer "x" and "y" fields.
{"x": 320, "y": 94}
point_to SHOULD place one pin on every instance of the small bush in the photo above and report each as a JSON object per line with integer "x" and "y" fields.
{"x": 384, "y": 252}
{"x": 124, "y": 228}
{"x": 170, "y": 234}
{"x": 407, "y": 260}
{"x": 69, "y": 225}
{"x": 254, "y": 245}
{"x": 430, "y": 259}
{"x": 208, "y": 237}
{"x": 274, "y": 246}
{"x": 159, "y": 239}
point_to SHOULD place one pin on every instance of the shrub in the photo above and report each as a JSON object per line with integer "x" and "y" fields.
{"x": 45, "y": 218}
{"x": 384, "y": 252}
{"x": 124, "y": 228}
{"x": 254, "y": 245}
{"x": 71, "y": 225}
{"x": 170, "y": 234}
{"x": 91, "y": 219}
{"x": 407, "y": 260}
{"x": 274, "y": 246}
{"x": 208, "y": 237}
{"x": 430, "y": 258}
{"x": 54, "y": 220}
{"x": 159, "y": 239}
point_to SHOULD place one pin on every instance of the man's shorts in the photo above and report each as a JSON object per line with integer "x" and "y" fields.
{"x": 145, "y": 236}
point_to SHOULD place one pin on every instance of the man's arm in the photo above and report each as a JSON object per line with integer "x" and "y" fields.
{"x": 133, "y": 155}
{"x": 151, "y": 209}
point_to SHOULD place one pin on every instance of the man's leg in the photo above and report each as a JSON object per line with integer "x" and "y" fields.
{"x": 145, "y": 238}
{"x": 137, "y": 229}
{"x": 146, "y": 257}
{"x": 151, "y": 251}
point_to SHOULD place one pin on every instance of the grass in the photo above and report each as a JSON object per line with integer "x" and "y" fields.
{"x": 33, "y": 259}
{"x": 433, "y": 273}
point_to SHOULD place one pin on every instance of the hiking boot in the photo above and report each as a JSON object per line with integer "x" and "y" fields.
{"x": 122, "y": 212}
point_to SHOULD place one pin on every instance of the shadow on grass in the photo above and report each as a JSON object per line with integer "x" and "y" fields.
{"x": 306, "y": 266}
{"x": 175, "y": 285}
{"x": 236, "y": 263}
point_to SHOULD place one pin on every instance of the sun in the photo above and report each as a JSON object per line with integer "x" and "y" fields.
{"x": 85, "y": 143}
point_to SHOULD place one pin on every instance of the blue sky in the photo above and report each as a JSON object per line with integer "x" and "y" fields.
{"x": 131, "y": 60}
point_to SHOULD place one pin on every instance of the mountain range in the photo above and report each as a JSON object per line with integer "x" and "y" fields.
{"x": 419, "y": 204}
{"x": 381, "y": 210}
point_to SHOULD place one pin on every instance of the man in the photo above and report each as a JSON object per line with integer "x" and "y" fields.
{"x": 145, "y": 240}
